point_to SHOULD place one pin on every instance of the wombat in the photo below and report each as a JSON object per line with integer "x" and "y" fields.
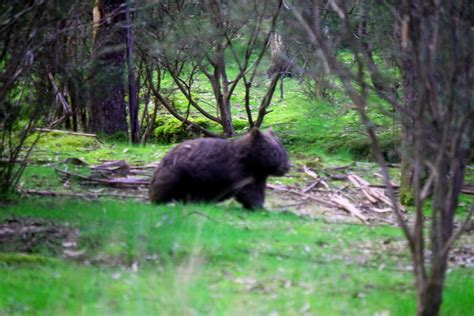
{"x": 212, "y": 170}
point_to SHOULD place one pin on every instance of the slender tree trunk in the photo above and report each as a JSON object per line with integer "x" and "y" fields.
{"x": 107, "y": 103}
{"x": 410, "y": 96}
{"x": 278, "y": 58}
{"x": 248, "y": 109}
{"x": 262, "y": 111}
{"x": 132, "y": 83}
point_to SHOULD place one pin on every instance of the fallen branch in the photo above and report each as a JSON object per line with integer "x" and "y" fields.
{"x": 374, "y": 193}
{"x": 348, "y": 206}
{"x": 311, "y": 173}
{"x": 378, "y": 175}
{"x": 338, "y": 168}
{"x": 362, "y": 186}
{"x": 383, "y": 186}
{"x": 48, "y": 130}
{"x": 465, "y": 189}
{"x": 337, "y": 177}
{"x": 311, "y": 186}
{"x": 113, "y": 182}
{"x": 87, "y": 195}
{"x": 273, "y": 187}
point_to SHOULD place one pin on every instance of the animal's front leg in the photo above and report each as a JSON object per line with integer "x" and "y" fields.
{"x": 252, "y": 196}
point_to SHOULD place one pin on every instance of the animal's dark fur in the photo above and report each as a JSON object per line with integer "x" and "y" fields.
{"x": 211, "y": 170}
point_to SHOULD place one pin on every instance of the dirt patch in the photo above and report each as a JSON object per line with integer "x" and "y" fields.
{"x": 30, "y": 235}
{"x": 461, "y": 255}
{"x": 316, "y": 202}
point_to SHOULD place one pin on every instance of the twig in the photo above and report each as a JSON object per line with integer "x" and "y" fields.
{"x": 311, "y": 197}
{"x": 48, "y": 130}
{"x": 311, "y": 186}
{"x": 338, "y": 168}
{"x": 201, "y": 214}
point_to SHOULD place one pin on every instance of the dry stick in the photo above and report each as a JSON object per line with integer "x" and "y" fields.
{"x": 378, "y": 175}
{"x": 341, "y": 189}
{"x": 118, "y": 181}
{"x": 270, "y": 186}
{"x": 383, "y": 186}
{"x": 66, "y": 107}
{"x": 81, "y": 195}
{"x": 348, "y": 206}
{"x": 465, "y": 189}
{"x": 47, "y": 130}
{"x": 357, "y": 184}
{"x": 311, "y": 186}
{"x": 315, "y": 176}
{"x": 381, "y": 210}
{"x": 338, "y": 177}
{"x": 377, "y": 194}
{"x": 338, "y": 168}
{"x": 310, "y": 173}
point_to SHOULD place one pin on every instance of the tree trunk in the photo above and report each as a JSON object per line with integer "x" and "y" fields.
{"x": 430, "y": 297}
{"x": 132, "y": 83}
{"x": 278, "y": 58}
{"x": 107, "y": 102}
{"x": 410, "y": 96}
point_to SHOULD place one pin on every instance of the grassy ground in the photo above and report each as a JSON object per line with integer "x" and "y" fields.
{"x": 135, "y": 258}
{"x": 138, "y": 258}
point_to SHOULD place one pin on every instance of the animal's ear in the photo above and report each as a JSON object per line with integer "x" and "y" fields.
{"x": 255, "y": 133}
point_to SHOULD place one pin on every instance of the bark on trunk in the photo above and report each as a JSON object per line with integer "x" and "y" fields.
{"x": 278, "y": 56}
{"x": 132, "y": 83}
{"x": 107, "y": 103}
{"x": 410, "y": 97}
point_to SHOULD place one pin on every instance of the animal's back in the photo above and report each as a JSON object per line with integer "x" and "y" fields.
{"x": 196, "y": 170}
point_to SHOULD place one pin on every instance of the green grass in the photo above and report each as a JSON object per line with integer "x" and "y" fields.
{"x": 138, "y": 258}
{"x": 203, "y": 259}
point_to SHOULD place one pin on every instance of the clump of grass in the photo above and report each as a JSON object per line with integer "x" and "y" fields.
{"x": 20, "y": 259}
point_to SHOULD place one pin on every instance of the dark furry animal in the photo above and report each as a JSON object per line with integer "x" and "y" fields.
{"x": 212, "y": 170}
